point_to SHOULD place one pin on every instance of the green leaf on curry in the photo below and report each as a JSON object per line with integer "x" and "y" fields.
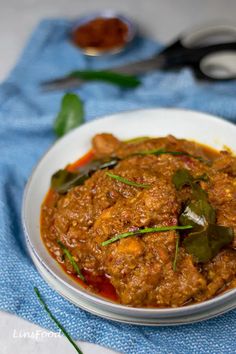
{"x": 64, "y": 180}
{"x": 198, "y": 213}
{"x": 206, "y": 244}
{"x": 108, "y": 164}
{"x": 70, "y": 116}
{"x": 198, "y": 193}
{"x": 207, "y": 238}
{"x": 182, "y": 177}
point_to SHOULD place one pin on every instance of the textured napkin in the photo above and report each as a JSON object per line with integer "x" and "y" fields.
{"x": 26, "y": 117}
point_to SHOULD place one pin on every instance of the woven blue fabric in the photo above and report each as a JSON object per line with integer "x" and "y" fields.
{"x": 26, "y": 117}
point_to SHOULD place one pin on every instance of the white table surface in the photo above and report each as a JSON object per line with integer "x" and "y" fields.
{"x": 160, "y": 19}
{"x": 19, "y": 336}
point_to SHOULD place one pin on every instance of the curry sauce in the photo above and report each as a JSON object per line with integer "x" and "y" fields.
{"x": 156, "y": 268}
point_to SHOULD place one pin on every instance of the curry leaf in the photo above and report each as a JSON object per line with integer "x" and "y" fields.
{"x": 182, "y": 178}
{"x": 197, "y": 245}
{"x": 206, "y": 239}
{"x": 125, "y": 81}
{"x": 198, "y": 193}
{"x": 71, "y": 114}
{"x": 205, "y": 244}
{"x": 64, "y": 180}
{"x": 96, "y": 165}
{"x": 109, "y": 163}
{"x": 219, "y": 236}
{"x": 198, "y": 213}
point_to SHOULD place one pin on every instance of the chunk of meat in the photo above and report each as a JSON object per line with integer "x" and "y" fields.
{"x": 177, "y": 288}
{"x": 135, "y": 266}
{"x": 169, "y": 143}
{"x": 225, "y": 163}
{"x": 105, "y": 144}
{"x": 154, "y": 206}
{"x": 222, "y": 195}
{"x": 220, "y": 271}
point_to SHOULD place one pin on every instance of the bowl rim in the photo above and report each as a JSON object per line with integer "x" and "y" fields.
{"x": 215, "y": 301}
{"x": 188, "y": 318}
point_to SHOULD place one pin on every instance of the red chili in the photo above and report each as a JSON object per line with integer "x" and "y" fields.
{"x": 101, "y": 33}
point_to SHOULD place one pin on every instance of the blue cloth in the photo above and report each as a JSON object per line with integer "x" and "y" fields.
{"x": 26, "y": 117}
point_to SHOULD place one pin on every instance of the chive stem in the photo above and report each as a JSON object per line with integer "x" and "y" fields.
{"x": 162, "y": 151}
{"x": 137, "y": 139}
{"x": 127, "y": 181}
{"x": 55, "y": 320}
{"x": 71, "y": 260}
{"x": 144, "y": 231}
{"x": 176, "y": 253}
{"x": 151, "y": 152}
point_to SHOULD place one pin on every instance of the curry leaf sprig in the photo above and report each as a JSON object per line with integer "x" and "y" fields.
{"x": 206, "y": 238}
{"x": 71, "y": 260}
{"x": 55, "y": 320}
{"x": 140, "y": 232}
{"x": 127, "y": 181}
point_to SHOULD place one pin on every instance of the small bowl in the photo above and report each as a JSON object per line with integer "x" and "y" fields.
{"x": 201, "y": 127}
{"x": 91, "y": 51}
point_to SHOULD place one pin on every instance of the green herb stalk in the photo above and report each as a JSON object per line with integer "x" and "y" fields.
{"x": 55, "y": 320}
{"x": 127, "y": 181}
{"x": 144, "y": 231}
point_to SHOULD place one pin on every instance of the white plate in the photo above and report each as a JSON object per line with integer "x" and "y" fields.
{"x": 153, "y": 122}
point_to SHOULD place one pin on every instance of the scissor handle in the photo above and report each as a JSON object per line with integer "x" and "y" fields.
{"x": 208, "y": 35}
{"x": 177, "y": 56}
{"x": 203, "y": 50}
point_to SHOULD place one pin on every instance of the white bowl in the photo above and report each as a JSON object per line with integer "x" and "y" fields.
{"x": 153, "y": 122}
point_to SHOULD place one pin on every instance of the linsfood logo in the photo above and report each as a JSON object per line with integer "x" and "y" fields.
{"x": 35, "y": 335}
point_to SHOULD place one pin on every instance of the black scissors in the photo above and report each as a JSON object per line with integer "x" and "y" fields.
{"x": 210, "y": 52}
